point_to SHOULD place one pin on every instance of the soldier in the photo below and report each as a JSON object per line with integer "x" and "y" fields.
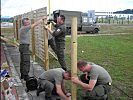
{"x": 24, "y": 41}
{"x": 52, "y": 82}
{"x": 59, "y": 36}
{"x": 96, "y": 81}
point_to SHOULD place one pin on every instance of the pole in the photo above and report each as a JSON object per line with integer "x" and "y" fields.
{"x": 49, "y": 12}
{"x": 74, "y": 55}
{"x": 49, "y": 8}
{"x": 33, "y": 41}
{"x": 46, "y": 64}
{"x": 14, "y": 31}
{"x": 16, "y": 24}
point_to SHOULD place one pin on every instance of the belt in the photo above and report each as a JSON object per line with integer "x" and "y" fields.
{"x": 109, "y": 83}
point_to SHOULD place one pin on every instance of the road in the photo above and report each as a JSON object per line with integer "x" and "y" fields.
{"x": 79, "y": 35}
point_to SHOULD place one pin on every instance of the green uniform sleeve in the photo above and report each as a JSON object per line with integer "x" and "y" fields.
{"x": 57, "y": 32}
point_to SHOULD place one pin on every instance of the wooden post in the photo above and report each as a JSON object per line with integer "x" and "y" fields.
{"x": 16, "y": 24}
{"x": 46, "y": 64}
{"x": 33, "y": 41}
{"x": 14, "y": 31}
{"x": 49, "y": 8}
{"x": 50, "y": 25}
{"x": 19, "y": 23}
{"x": 74, "y": 55}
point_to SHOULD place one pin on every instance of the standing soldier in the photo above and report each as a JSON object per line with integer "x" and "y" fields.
{"x": 24, "y": 40}
{"x": 59, "y": 34}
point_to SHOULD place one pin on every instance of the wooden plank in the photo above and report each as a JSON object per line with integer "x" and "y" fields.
{"x": 16, "y": 44}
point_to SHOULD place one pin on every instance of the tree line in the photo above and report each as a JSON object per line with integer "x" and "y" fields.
{"x": 127, "y": 11}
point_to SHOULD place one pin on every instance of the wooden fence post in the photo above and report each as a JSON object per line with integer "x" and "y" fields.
{"x": 33, "y": 41}
{"x": 14, "y": 31}
{"x": 46, "y": 64}
{"x": 74, "y": 55}
{"x": 16, "y": 24}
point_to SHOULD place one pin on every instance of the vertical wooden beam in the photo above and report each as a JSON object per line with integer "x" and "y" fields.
{"x": 46, "y": 64}
{"x": 16, "y": 24}
{"x": 74, "y": 55}
{"x": 49, "y": 8}
{"x": 14, "y": 31}
{"x": 19, "y": 23}
{"x": 49, "y": 13}
{"x": 33, "y": 41}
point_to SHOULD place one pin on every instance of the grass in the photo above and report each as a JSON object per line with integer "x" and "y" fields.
{"x": 114, "y": 53}
{"x": 116, "y": 28}
{"x": 7, "y": 30}
{"x": 8, "y": 33}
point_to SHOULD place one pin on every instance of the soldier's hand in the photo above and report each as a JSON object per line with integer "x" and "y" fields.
{"x": 46, "y": 27}
{"x": 68, "y": 94}
{"x": 44, "y": 17}
{"x": 75, "y": 80}
{"x": 53, "y": 23}
{"x": 69, "y": 98}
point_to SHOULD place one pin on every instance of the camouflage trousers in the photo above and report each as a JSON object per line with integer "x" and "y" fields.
{"x": 99, "y": 92}
{"x": 58, "y": 48}
{"x": 60, "y": 54}
{"x": 24, "y": 59}
{"x": 47, "y": 86}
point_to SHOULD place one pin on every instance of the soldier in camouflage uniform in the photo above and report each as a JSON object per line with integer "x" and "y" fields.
{"x": 24, "y": 41}
{"x": 59, "y": 36}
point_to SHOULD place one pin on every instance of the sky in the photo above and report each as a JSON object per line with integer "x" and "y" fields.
{"x": 16, "y": 7}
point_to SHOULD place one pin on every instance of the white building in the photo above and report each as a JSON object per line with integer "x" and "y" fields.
{"x": 111, "y": 14}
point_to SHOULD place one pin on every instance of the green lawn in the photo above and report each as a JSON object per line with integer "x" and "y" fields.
{"x": 114, "y": 53}
{"x": 116, "y": 28}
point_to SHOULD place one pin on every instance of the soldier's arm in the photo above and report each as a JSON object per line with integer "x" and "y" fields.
{"x": 53, "y": 23}
{"x": 38, "y": 22}
{"x": 48, "y": 29}
{"x": 55, "y": 32}
{"x": 63, "y": 87}
{"x": 60, "y": 92}
{"x": 89, "y": 86}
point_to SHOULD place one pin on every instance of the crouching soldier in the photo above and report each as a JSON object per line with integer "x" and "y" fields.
{"x": 52, "y": 82}
{"x": 96, "y": 81}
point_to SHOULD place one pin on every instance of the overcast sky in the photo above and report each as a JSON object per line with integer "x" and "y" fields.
{"x": 16, "y": 7}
